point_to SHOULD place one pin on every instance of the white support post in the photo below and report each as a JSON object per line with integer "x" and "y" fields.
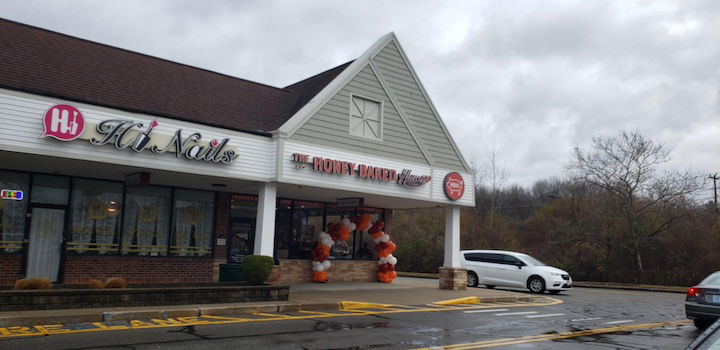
{"x": 265, "y": 224}
{"x": 452, "y": 237}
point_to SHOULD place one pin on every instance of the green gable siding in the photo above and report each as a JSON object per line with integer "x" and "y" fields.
{"x": 330, "y": 125}
{"x": 420, "y": 117}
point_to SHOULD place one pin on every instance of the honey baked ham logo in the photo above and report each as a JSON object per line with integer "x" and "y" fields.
{"x": 341, "y": 167}
{"x": 454, "y": 186}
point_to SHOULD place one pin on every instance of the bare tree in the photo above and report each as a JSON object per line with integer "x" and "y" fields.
{"x": 495, "y": 175}
{"x": 627, "y": 166}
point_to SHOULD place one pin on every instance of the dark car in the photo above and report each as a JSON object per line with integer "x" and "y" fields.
{"x": 702, "y": 303}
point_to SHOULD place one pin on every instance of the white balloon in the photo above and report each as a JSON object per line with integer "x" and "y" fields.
{"x": 316, "y": 263}
{"x": 384, "y": 238}
{"x": 326, "y": 264}
{"x": 323, "y": 235}
{"x": 352, "y": 226}
{"x": 382, "y": 261}
{"x": 328, "y": 242}
{"x": 318, "y": 268}
{"x": 392, "y": 260}
{"x": 346, "y": 222}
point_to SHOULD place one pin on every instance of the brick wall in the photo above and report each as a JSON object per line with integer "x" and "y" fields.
{"x": 300, "y": 271}
{"x": 10, "y": 269}
{"x": 222, "y": 230}
{"x": 138, "y": 269}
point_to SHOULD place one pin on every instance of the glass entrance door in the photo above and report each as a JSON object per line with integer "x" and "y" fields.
{"x": 46, "y": 236}
{"x": 242, "y": 237}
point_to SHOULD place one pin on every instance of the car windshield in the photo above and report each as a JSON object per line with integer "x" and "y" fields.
{"x": 713, "y": 279}
{"x": 531, "y": 261}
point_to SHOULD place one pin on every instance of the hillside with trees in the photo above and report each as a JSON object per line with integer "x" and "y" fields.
{"x": 618, "y": 215}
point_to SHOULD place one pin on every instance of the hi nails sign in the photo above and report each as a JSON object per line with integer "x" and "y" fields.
{"x": 63, "y": 122}
{"x": 66, "y": 123}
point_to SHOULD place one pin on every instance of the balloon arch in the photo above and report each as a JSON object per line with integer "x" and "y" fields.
{"x": 341, "y": 231}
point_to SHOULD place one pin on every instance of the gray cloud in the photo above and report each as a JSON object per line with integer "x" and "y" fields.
{"x": 534, "y": 78}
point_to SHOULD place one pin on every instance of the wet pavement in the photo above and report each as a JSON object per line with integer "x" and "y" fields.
{"x": 634, "y": 317}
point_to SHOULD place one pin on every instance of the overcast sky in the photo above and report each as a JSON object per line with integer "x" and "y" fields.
{"x": 531, "y": 79}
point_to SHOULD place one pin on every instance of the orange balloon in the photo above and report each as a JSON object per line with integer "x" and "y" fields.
{"x": 320, "y": 277}
{"x": 377, "y": 234}
{"x": 384, "y": 253}
{"x": 391, "y": 246}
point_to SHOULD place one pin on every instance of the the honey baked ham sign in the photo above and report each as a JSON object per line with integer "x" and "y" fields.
{"x": 403, "y": 177}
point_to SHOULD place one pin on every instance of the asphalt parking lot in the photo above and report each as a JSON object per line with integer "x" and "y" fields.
{"x": 586, "y": 318}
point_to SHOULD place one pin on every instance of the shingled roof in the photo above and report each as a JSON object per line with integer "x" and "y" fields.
{"x": 48, "y": 63}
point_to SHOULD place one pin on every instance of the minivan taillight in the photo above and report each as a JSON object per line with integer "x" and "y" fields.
{"x": 693, "y": 292}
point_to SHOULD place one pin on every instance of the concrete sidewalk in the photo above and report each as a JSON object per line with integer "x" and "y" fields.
{"x": 305, "y": 296}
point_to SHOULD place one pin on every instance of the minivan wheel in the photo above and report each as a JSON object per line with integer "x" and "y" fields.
{"x": 472, "y": 279}
{"x": 536, "y": 285}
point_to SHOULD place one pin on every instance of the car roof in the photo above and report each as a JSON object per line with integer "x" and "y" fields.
{"x": 492, "y": 251}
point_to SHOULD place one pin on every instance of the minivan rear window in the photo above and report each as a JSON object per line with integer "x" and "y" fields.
{"x": 713, "y": 280}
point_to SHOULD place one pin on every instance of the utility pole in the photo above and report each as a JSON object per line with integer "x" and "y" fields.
{"x": 715, "y": 177}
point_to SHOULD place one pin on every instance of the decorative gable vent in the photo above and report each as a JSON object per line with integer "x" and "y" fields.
{"x": 365, "y": 118}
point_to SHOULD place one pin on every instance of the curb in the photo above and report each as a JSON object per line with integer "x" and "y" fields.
{"x": 36, "y": 317}
{"x": 584, "y": 284}
{"x": 628, "y": 286}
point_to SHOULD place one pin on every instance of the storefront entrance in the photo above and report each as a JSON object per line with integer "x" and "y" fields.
{"x": 242, "y": 234}
{"x": 45, "y": 245}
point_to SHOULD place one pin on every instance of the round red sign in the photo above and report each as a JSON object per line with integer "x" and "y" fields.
{"x": 454, "y": 186}
{"x": 63, "y": 122}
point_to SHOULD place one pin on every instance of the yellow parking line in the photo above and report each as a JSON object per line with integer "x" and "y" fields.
{"x": 565, "y": 335}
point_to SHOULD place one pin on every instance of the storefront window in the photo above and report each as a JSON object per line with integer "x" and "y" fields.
{"x": 283, "y": 228}
{"x": 193, "y": 228}
{"x": 308, "y": 221}
{"x": 12, "y": 212}
{"x": 96, "y": 208}
{"x": 243, "y": 215}
{"x": 49, "y": 189}
{"x": 146, "y": 221}
{"x": 341, "y": 249}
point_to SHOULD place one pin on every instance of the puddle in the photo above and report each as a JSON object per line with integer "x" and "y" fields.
{"x": 324, "y": 326}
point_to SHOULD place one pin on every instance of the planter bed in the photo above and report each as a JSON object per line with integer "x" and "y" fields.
{"x": 76, "y": 298}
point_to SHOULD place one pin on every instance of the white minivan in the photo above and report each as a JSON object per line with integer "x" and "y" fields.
{"x": 510, "y": 269}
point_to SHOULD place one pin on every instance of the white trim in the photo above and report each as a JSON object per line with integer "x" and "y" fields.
{"x": 432, "y": 106}
{"x": 309, "y": 109}
{"x": 400, "y": 111}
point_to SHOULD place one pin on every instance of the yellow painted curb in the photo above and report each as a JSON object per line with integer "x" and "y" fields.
{"x": 459, "y": 301}
{"x": 353, "y": 305}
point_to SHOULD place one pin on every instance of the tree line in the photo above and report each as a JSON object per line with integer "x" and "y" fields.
{"x": 619, "y": 214}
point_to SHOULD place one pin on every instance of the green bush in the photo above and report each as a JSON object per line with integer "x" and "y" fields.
{"x": 257, "y": 268}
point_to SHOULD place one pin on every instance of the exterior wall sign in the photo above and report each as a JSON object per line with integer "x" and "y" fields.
{"x": 341, "y": 167}
{"x": 14, "y": 195}
{"x": 66, "y": 123}
{"x": 63, "y": 122}
{"x": 454, "y": 186}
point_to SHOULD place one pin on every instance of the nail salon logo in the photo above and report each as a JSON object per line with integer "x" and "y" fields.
{"x": 63, "y": 122}
{"x": 66, "y": 123}
{"x": 136, "y": 136}
{"x": 454, "y": 186}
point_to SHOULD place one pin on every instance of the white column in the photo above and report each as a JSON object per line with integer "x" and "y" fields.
{"x": 452, "y": 237}
{"x": 265, "y": 224}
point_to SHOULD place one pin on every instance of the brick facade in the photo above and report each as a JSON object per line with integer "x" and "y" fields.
{"x": 222, "y": 231}
{"x": 138, "y": 269}
{"x": 10, "y": 269}
{"x": 300, "y": 271}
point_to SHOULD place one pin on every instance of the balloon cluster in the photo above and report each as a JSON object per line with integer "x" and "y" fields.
{"x": 321, "y": 253}
{"x": 384, "y": 248}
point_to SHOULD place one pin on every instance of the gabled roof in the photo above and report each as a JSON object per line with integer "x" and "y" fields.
{"x": 309, "y": 108}
{"x": 310, "y": 87}
{"x": 48, "y": 63}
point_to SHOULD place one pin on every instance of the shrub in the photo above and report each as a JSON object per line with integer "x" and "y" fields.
{"x": 115, "y": 282}
{"x": 33, "y": 283}
{"x": 97, "y": 284}
{"x": 257, "y": 268}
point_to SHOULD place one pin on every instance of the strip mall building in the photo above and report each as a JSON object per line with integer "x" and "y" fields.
{"x": 115, "y": 163}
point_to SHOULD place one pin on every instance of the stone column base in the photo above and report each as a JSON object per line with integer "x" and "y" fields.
{"x": 454, "y": 278}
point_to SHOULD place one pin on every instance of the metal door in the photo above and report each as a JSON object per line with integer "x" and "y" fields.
{"x": 46, "y": 236}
